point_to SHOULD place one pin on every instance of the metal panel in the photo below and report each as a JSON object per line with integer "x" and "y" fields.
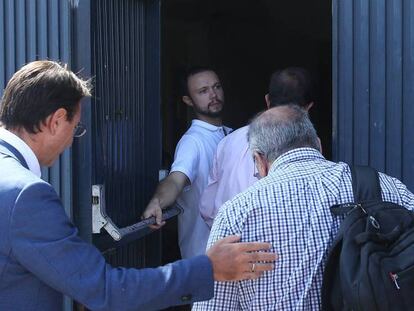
{"x": 394, "y": 92}
{"x": 361, "y": 80}
{"x": 373, "y": 53}
{"x": 82, "y": 148}
{"x": 377, "y": 81}
{"x": 408, "y": 93}
{"x": 342, "y": 144}
{"x": 126, "y": 116}
{"x": 2, "y": 49}
{"x": 152, "y": 98}
{"x": 31, "y": 30}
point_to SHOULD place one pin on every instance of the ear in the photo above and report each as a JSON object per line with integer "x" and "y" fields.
{"x": 267, "y": 100}
{"x": 187, "y": 100}
{"x": 320, "y": 145}
{"x": 309, "y": 106}
{"x": 55, "y": 120}
{"x": 261, "y": 163}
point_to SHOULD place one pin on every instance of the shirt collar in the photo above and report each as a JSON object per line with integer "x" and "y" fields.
{"x": 23, "y": 148}
{"x": 296, "y": 155}
{"x": 209, "y": 126}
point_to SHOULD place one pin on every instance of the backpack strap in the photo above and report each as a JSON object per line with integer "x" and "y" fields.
{"x": 331, "y": 294}
{"x": 365, "y": 184}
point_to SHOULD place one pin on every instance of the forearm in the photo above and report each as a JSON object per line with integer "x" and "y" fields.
{"x": 55, "y": 255}
{"x": 182, "y": 282}
{"x": 166, "y": 193}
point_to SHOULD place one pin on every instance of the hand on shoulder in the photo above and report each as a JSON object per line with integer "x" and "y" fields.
{"x": 233, "y": 261}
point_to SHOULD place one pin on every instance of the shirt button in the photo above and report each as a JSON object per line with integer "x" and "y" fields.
{"x": 186, "y": 298}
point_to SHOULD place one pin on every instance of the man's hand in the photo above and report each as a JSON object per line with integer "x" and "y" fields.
{"x": 154, "y": 209}
{"x": 234, "y": 261}
{"x": 166, "y": 193}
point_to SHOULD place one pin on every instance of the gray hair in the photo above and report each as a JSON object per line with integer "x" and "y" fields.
{"x": 281, "y": 129}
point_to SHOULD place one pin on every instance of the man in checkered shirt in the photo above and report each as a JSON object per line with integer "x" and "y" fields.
{"x": 288, "y": 207}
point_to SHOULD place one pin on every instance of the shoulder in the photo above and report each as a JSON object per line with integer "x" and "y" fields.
{"x": 17, "y": 182}
{"x": 38, "y": 204}
{"x": 236, "y": 211}
{"x": 201, "y": 132}
{"x": 250, "y": 202}
{"x": 26, "y": 197}
{"x": 196, "y": 140}
{"x": 240, "y": 133}
{"x": 189, "y": 140}
{"x": 393, "y": 190}
{"x": 237, "y": 135}
{"x": 16, "y": 178}
{"x": 235, "y": 141}
{"x": 188, "y": 148}
{"x": 35, "y": 197}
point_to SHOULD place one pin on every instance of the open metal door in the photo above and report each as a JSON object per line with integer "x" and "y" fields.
{"x": 123, "y": 149}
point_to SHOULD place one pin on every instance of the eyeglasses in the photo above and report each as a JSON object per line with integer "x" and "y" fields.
{"x": 79, "y": 130}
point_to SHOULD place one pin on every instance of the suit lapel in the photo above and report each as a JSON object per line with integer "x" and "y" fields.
{"x": 7, "y": 149}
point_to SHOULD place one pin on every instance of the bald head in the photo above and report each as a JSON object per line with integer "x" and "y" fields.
{"x": 281, "y": 129}
{"x": 285, "y": 113}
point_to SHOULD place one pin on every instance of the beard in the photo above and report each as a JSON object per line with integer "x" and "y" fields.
{"x": 209, "y": 113}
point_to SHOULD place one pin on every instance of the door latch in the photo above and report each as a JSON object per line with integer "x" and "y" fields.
{"x": 100, "y": 219}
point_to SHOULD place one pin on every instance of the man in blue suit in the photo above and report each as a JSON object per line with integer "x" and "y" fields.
{"x": 40, "y": 114}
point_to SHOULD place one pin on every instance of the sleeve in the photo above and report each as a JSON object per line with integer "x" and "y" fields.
{"x": 46, "y": 243}
{"x": 207, "y": 202}
{"x": 394, "y": 190}
{"x": 226, "y": 294}
{"x": 187, "y": 157}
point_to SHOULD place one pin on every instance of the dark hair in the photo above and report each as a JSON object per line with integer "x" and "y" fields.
{"x": 189, "y": 73}
{"x": 37, "y": 90}
{"x": 291, "y": 85}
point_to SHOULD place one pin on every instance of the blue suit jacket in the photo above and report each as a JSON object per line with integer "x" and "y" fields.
{"x": 41, "y": 256}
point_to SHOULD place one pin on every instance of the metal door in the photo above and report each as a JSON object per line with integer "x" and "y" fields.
{"x": 123, "y": 149}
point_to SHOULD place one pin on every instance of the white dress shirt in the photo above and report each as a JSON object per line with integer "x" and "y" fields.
{"x": 23, "y": 148}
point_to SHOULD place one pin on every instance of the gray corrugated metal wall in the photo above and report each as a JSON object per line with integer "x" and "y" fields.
{"x": 373, "y": 85}
{"x": 30, "y": 30}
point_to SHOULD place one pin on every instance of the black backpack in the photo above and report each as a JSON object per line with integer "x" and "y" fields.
{"x": 371, "y": 263}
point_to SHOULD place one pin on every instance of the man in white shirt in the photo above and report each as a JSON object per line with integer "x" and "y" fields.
{"x": 192, "y": 161}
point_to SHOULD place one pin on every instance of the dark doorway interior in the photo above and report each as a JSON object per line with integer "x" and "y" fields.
{"x": 245, "y": 41}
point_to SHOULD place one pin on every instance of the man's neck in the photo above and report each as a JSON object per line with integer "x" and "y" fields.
{"x": 29, "y": 139}
{"x": 209, "y": 120}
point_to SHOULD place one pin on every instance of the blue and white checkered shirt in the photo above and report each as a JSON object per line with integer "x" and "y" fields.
{"x": 290, "y": 209}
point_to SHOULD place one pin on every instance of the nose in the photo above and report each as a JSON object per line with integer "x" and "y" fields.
{"x": 213, "y": 93}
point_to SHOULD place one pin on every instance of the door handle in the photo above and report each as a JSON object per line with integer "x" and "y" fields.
{"x": 101, "y": 220}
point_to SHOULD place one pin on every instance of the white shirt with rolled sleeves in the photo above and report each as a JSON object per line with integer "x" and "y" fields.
{"x": 193, "y": 157}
